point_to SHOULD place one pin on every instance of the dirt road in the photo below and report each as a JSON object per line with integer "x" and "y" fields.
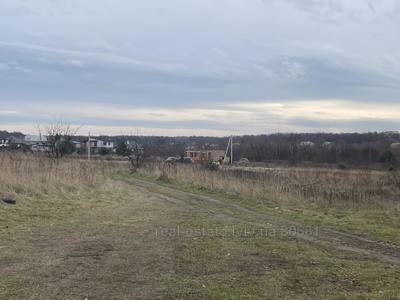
{"x": 327, "y": 237}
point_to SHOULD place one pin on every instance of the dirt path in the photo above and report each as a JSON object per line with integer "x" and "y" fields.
{"x": 327, "y": 237}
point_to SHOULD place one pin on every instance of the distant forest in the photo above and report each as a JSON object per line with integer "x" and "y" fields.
{"x": 347, "y": 148}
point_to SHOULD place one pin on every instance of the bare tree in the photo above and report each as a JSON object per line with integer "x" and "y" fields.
{"x": 133, "y": 151}
{"x": 57, "y": 140}
{"x": 136, "y": 155}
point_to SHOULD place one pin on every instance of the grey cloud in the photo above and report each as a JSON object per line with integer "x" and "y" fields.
{"x": 325, "y": 11}
{"x": 8, "y": 118}
{"x": 22, "y": 11}
{"x": 74, "y": 63}
{"x": 371, "y": 6}
{"x": 101, "y": 77}
{"x": 93, "y": 56}
{"x": 293, "y": 69}
{"x": 22, "y": 69}
{"x": 319, "y": 6}
{"x": 4, "y": 66}
{"x": 319, "y": 10}
{"x": 199, "y": 53}
{"x": 361, "y": 125}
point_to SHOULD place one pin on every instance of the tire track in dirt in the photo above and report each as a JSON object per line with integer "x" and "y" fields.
{"x": 330, "y": 238}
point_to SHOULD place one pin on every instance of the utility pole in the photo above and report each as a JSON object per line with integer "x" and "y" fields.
{"x": 231, "y": 149}
{"x": 88, "y": 147}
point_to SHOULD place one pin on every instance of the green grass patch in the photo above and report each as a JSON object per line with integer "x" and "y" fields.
{"x": 274, "y": 268}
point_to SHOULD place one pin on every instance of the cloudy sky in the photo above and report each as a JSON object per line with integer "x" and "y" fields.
{"x": 189, "y": 67}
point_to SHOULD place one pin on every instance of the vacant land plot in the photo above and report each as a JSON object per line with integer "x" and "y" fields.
{"x": 81, "y": 230}
{"x": 362, "y": 201}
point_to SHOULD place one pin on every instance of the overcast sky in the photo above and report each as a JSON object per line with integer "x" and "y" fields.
{"x": 190, "y": 67}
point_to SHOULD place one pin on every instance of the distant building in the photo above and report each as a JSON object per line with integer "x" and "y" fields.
{"x": 95, "y": 145}
{"x": 306, "y": 144}
{"x": 395, "y": 147}
{"x": 109, "y": 145}
{"x": 205, "y": 155}
{"x": 4, "y": 143}
{"x": 391, "y": 133}
{"x": 36, "y": 143}
{"x": 35, "y": 139}
{"x": 328, "y": 144}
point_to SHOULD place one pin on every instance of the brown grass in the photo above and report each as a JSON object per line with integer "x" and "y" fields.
{"x": 321, "y": 187}
{"x": 35, "y": 175}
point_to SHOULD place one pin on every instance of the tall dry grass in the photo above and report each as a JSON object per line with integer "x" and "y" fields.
{"x": 292, "y": 186}
{"x": 35, "y": 175}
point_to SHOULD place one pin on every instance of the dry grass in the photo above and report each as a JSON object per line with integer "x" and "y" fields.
{"x": 292, "y": 186}
{"x": 102, "y": 245}
{"x": 35, "y": 175}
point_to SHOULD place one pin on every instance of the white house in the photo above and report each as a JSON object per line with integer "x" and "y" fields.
{"x": 328, "y": 144}
{"x": 105, "y": 144}
{"x": 37, "y": 143}
{"x": 95, "y": 145}
{"x": 33, "y": 139}
{"x": 4, "y": 143}
{"x": 306, "y": 144}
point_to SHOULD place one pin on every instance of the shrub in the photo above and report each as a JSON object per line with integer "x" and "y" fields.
{"x": 212, "y": 165}
{"x": 104, "y": 151}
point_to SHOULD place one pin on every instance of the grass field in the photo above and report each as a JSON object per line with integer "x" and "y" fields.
{"x": 365, "y": 202}
{"x": 94, "y": 230}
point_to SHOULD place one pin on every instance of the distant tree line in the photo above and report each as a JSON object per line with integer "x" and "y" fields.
{"x": 354, "y": 149}
{"x": 342, "y": 148}
{"x": 348, "y": 148}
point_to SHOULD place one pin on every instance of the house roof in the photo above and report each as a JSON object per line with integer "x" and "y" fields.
{"x": 204, "y": 150}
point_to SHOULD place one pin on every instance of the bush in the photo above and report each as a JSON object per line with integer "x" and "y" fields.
{"x": 104, "y": 151}
{"x": 212, "y": 165}
{"x": 388, "y": 157}
{"x": 122, "y": 148}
